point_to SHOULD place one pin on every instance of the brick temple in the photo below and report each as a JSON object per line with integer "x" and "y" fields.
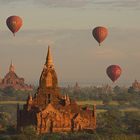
{"x": 49, "y": 111}
{"x": 11, "y": 79}
{"x": 136, "y": 86}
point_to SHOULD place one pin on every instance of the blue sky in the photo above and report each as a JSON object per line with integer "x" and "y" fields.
{"x": 67, "y": 26}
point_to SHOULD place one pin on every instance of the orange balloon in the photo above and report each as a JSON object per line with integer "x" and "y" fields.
{"x": 114, "y": 72}
{"x": 100, "y": 33}
{"x": 14, "y": 23}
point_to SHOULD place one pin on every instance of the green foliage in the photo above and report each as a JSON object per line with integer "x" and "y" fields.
{"x": 69, "y": 136}
{"x": 10, "y": 129}
{"x": 72, "y": 136}
{"x": 117, "y": 89}
{"x": 11, "y": 94}
{"x": 19, "y": 137}
{"x": 5, "y": 137}
{"x": 4, "y": 119}
{"x": 11, "y": 110}
{"x": 29, "y": 131}
{"x": 132, "y": 121}
{"x": 87, "y": 136}
{"x": 106, "y": 94}
{"x": 9, "y": 91}
{"x": 88, "y": 93}
{"x": 110, "y": 122}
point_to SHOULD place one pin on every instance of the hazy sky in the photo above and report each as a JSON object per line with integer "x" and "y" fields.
{"x": 67, "y": 26}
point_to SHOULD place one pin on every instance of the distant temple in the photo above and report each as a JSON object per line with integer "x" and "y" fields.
{"x": 49, "y": 111}
{"x": 76, "y": 87}
{"x": 12, "y": 80}
{"x": 136, "y": 86}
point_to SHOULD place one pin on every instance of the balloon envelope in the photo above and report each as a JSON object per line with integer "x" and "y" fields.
{"x": 100, "y": 33}
{"x": 14, "y": 23}
{"x": 113, "y": 72}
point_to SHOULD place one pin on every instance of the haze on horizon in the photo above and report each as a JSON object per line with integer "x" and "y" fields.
{"x": 67, "y": 27}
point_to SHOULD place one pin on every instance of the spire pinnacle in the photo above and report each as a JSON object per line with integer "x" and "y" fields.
{"x": 11, "y": 68}
{"x": 49, "y": 60}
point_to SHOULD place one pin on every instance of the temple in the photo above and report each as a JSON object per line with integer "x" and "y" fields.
{"x": 49, "y": 111}
{"x": 76, "y": 87}
{"x": 136, "y": 86}
{"x": 12, "y": 80}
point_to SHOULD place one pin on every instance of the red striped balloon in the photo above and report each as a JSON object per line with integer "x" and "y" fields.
{"x": 14, "y": 23}
{"x": 114, "y": 72}
{"x": 100, "y": 33}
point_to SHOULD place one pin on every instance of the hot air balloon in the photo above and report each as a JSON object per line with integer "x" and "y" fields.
{"x": 100, "y": 33}
{"x": 113, "y": 72}
{"x": 14, "y": 23}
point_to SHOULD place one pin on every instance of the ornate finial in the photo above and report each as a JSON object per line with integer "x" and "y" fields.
{"x": 49, "y": 60}
{"x": 11, "y": 68}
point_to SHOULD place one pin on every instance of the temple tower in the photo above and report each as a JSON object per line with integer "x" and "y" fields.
{"x": 11, "y": 68}
{"x": 48, "y": 90}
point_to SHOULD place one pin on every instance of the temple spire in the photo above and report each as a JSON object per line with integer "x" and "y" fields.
{"x": 11, "y": 68}
{"x": 49, "y": 60}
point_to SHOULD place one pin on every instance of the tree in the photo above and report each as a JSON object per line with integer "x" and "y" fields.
{"x": 9, "y": 91}
{"x": 117, "y": 89}
{"x": 4, "y": 119}
{"x": 110, "y": 122}
{"x": 29, "y": 132}
{"x": 132, "y": 122}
